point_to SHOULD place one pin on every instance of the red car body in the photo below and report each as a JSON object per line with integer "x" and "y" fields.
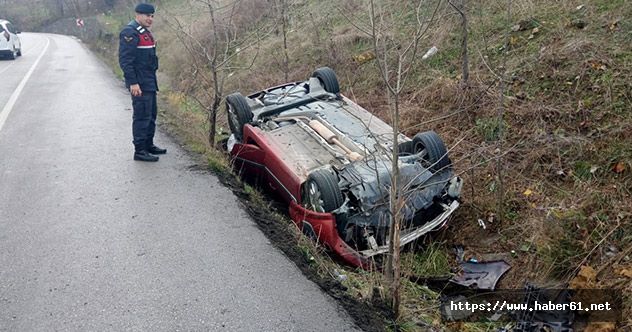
{"x": 260, "y": 157}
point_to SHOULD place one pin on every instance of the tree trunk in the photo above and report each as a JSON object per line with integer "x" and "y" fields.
{"x": 217, "y": 98}
{"x": 212, "y": 122}
{"x": 217, "y": 89}
{"x": 395, "y": 198}
{"x": 465, "y": 70}
{"x": 286, "y": 59}
{"x": 500, "y": 123}
{"x": 464, "y": 53}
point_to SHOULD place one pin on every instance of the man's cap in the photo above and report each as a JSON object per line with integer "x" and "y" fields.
{"x": 144, "y": 8}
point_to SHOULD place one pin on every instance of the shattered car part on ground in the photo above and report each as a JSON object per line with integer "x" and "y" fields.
{"x": 330, "y": 159}
{"x": 498, "y": 306}
{"x": 480, "y": 275}
{"x": 477, "y": 275}
{"x": 554, "y": 321}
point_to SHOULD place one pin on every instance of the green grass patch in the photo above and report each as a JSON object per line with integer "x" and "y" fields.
{"x": 428, "y": 262}
{"x": 583, "y": 170}
{"x": 490, "y": 128}
{"x": 610, "y": 5}
{"x": 562, "y": 254}
{"x": 565, "y": 248}
{"x": 446, "y": 60}
{"x": 113, "y": 22}
{"x": 217, "y": 162}
{"x": 618, "y": 151}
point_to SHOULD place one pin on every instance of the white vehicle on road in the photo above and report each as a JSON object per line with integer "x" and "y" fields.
{"x": 10, "y": 45}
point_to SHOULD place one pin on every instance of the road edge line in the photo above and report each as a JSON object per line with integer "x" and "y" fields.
{"x": 4, "y": 114}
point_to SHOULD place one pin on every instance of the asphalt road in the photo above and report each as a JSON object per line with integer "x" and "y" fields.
{"x": 91, "y": 240}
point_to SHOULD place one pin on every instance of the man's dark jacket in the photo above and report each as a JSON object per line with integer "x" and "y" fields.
{"x": 137, "y": 57}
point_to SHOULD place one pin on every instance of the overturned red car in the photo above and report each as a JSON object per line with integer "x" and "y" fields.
{"x": 330, "y": 159}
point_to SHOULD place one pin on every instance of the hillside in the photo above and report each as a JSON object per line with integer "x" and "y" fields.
{"x": 559, "y": 197}
{"x": 540, "y": 134}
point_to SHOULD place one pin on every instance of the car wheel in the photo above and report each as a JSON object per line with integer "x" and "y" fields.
{"x": 321, "y": 192}
{"x": 20, "y": 52}
{"x": 239, "y": 113}
{"x": 436, "y": 153}
{"x": 406, "y": 149}
{"x": 328, "y": 79}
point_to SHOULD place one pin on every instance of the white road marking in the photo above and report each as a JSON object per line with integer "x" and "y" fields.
{"x": 14, "y": 97}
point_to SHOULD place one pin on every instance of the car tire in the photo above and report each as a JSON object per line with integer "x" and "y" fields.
{"x": 238, "y": 112}
{"x": 321, "y": 192}
{"x": 436, "y": 152}
{"x": 20, "y": 52}
{"x": 328, "y": 79}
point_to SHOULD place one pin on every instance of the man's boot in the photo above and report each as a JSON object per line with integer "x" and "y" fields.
{"x": 143, "y": 155}
{"x": 151, "y": 148}
{"x": 156, "y": 150}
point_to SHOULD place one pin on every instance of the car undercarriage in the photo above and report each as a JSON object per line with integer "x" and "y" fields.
{"x": 332, "y": 160}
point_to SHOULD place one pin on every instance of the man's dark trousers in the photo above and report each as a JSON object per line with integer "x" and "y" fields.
{"x": 144, "y": 120}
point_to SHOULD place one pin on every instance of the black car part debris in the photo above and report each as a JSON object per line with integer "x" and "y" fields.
{"x": 482, "y": 275}
{"x": 536, "y": 321}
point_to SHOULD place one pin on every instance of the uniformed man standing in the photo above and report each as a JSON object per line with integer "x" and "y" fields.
{"x": 138, "y": 60}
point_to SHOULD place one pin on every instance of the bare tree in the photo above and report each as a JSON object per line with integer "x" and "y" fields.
{"x": 460, "y": 8}
{"x": 284, "y": 18}
{"x": 212, "y": 54}
{"x": 396, "y": 56}
{"x": 500, "y": 120}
